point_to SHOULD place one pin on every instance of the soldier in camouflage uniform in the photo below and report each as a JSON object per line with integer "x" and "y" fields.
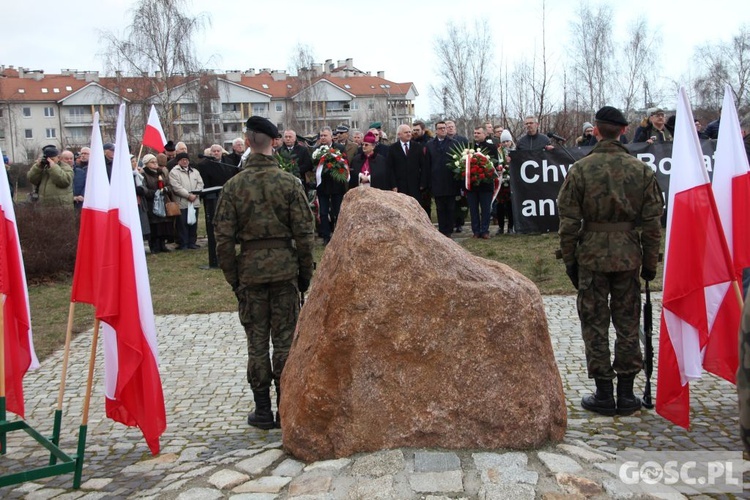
{"x": 265, "y": 211}
{"x": 603, "y": 195}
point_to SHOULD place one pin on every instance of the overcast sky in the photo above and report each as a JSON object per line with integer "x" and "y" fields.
{"x": 386, "y": 35}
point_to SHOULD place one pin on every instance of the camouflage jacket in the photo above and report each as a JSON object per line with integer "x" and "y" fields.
{"x": 610, "y": 186}
{"x": 265, "y": 211}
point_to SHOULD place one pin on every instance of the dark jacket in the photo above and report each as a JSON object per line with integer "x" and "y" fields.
{"x": 407, "y": 169}
{"x": 328, "y": 185}
{"x": 150, "y": 186}
{"x": 215, "y": 173}
{"x": 79, "y": 182}
{"x": 233, "y": 159}
{"x": 532, "y": 142}
{"x": 712, "y": 129}
{"x": 304, "y": 160}
{"x": 647, "y": 130}
{"x": 440, "y": 180}
{"x": 382, "y": 175}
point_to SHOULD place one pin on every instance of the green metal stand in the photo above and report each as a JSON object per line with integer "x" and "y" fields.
{"x": 67, "y": 463}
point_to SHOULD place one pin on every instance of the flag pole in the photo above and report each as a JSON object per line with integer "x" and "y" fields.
{"x": 3, "y": 415}
{"x": 85, "y": 414}
{"x": 63, "y": 377}
{"x": 139, "y": 154}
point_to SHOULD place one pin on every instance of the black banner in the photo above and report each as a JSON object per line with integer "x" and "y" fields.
{"x": 536, "y": 177}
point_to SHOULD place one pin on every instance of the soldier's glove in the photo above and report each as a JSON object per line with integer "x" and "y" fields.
{"x": 303, "y": 284}
{"x": 648, "y": 274}
{"x": 572, "y": 271}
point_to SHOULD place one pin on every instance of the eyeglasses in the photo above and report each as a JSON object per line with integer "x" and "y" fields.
{"x": 440, "y": 128}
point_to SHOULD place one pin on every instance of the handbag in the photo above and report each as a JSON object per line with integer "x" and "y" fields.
{"x": 172, "y": 208}
{"x": 159, "y": 208}
{"x": 191, "y": 219}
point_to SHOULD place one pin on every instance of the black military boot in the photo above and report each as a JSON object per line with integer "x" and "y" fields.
{"x": 262, "y": 417}
{"x": 627, "y": 402}
{"x": 602, "y": 401}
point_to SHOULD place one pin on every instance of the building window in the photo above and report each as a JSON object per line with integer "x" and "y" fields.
{"x": 2, "y": 133}
{"x": 259, "y": 109}
{"x": 371, "y": 105}
{"x": 228, "y": 107}
{"x": 51, "y": 133}
{"x": 231, "y": 127}
{"x": 280, "y": 126}
{"x": 28, "y": 133}
{"x": 26, "y": 112}
{"x": 49, "y": 111}
{"x": 355, "y": 105}
{"x": 279, "y": 107}
{"x": 77, "y": 111}
{"x": 1, "y": 112}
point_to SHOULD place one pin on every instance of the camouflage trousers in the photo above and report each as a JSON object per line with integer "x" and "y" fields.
{"x": 268, "y": 312}
{"x": 743, "y": 376}
{"x": 601, "y": 296}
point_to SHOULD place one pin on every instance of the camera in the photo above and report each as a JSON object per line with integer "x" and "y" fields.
{"x": 44, "y": 162}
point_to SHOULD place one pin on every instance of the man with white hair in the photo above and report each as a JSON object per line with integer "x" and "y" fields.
{"x": 235, "y": 156}
{"x": 297, "y": 152}
{"x": 180, "y": 147}
{"x": 406, "y": 158}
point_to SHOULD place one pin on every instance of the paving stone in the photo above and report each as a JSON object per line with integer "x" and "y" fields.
{"x": 433, "y": 461}
{"x": 227, "y": 479}
{"x": 507, "y": 492}
{"x": 582, "y": 453}
{"x": 44, "y": 493}
{"x": 255, "y": 496}
{"x": 200, "y": 494}
{"x": 310, "y": 485}
{"x": 380, "y": 488}
{"x": 329, "y": 464}
{"x": 429, "y": 482}
{"x": 610, "y": 467}
{"x": 616, "y": 489}
{"x": 578, "y": 485}
{"x": 71, "y": 496}
{"x": 96, "y": 483}
{"x": 494, "y": 460}
{"x": 559, "y": 463}
{"x": 258, "y": 463}
{"x": 289, "y": 468}
{"x": 266, "y": 484}
{"x": 383, "y": 463}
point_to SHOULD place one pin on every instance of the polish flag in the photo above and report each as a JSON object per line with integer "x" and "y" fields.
{"x": 18, "y": 346}
{"x": 700, "y": 312}
{"x": 153, "y": 136}
{"x": 731, "y": 184}
{"x": 93, "y": 223}
{"x": 133, "y": 387}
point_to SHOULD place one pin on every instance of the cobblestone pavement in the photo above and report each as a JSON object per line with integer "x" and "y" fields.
{"x": 208, "y": 450}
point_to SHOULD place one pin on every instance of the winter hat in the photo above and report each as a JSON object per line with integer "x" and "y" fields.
{"x": 180, "y": 156}
{"x": 370, "y": 138}
{"x": 505, "y": 136}
{"x": 587, "y": 126}
{"x": 147, "y": 158}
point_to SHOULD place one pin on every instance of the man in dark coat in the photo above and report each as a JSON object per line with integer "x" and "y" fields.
{"x": 439, "y": 178}
{"x": 298, "y": 152}
{"x": 406, "y": 159}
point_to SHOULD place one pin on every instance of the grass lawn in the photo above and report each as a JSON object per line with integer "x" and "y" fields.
{"x": 180, "y": 286}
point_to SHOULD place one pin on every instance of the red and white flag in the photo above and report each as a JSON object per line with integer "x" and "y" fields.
{"x": 153, "y": 136}
{"x": 93, "y": 223}
{"x": 698, "y": 304}
{"x": 17, "y": 342}
{"x": 133, "y": 387}
{"x": 731, "y": 184}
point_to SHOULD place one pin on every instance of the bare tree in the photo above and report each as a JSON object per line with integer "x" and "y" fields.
{"x": 159, "y": 41}
{"x": 592, "y": 54}
{"x": 640, "y": 57}
{"x": 724, "y": 63}
{"x": 466, "y": 81}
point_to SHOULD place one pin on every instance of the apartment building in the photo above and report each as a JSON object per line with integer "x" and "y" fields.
{"x": 37, "y": 109}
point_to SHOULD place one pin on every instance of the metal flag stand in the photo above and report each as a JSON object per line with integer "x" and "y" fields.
{"x": 68, "y": 463}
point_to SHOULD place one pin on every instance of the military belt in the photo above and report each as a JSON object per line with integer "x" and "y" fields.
{"x": 267, "y": 244}
{"x": 608, "y": 227}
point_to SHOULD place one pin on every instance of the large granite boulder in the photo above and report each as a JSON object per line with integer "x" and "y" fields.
{"x": 408, "y": 340}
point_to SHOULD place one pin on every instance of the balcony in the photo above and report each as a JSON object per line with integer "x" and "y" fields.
{"x": 188, "y": 118}
{"x": 74, "y": 120}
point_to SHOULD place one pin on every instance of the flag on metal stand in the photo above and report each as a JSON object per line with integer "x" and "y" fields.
{"x": 17, "y": 355}
{"x": 133, "y": 387}
{"x": 700, "y": 312}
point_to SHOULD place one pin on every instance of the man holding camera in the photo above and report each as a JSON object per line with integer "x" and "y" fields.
{"x": 52, "y": 179}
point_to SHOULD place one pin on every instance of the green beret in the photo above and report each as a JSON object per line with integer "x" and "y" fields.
{"x": 376, "y": 125}
{"x": 608, "y": 114}
{"x": 262, "y": 125}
